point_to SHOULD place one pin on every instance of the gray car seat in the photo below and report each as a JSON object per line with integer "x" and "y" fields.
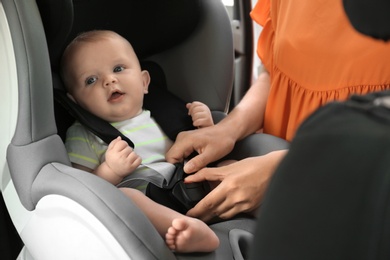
{"x": 64, "y": 213}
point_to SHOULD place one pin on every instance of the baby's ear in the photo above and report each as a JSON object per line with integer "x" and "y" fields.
{"x": 71, "y": 97}
{"x": 145, "y": 80}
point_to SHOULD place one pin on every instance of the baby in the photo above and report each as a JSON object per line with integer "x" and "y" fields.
{"x": 102, "y": 74}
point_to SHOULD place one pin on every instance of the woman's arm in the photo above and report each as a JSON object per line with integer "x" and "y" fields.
{"x": 212, "y": 143}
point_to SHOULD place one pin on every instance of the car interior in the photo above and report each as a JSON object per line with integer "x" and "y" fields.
{"x": 50, "y": 210}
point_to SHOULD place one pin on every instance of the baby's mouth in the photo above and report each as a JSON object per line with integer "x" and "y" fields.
{"x": 115, "y": 96}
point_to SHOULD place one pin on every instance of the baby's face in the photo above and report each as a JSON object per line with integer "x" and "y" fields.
{"x": 107, "y": 79}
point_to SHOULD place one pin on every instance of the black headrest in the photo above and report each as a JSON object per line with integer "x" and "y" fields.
{"x": 370, "y": 17}
{"x": 150, "y": 25}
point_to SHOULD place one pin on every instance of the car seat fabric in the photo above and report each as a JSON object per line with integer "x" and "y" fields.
{"x": 33, "y": 110}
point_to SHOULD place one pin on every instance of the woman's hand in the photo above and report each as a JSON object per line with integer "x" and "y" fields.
{"x": 242, "y": 186}
{"x": 211, "y": 144}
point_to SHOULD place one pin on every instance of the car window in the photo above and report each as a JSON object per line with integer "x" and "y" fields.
{"x": 245, "y": 35}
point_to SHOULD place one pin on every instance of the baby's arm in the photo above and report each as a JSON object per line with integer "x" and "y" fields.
{"x": 200, "y": 113}
{"x": 120, "y": 161}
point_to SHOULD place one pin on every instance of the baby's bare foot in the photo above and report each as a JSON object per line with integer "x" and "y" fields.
{"x": 190, "y": 235}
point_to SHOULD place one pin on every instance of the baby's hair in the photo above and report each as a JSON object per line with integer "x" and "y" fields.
{"x": 94, "y": 35}
{"x": 85, "y": 37}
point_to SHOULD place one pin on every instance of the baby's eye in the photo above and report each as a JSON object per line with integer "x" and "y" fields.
{"x": 118, "y": 68}
{"x": 90, "y": 80}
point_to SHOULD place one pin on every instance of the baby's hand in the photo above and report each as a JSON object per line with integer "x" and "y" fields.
{"x": 200, "y": 113}
{"x": 121, "y": 158}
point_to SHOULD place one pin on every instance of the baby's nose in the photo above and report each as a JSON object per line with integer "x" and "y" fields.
{"x": 109, "y": 81}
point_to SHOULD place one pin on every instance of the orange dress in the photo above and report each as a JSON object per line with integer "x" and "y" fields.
{"x": 314, "y": 56}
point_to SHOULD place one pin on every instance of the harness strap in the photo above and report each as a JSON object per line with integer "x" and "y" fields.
{"x": 95, "y": 124}
{"x": 160, "y": 174}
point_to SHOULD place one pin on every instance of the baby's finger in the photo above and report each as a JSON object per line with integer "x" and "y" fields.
{"x": 195, "y": 107}
{"x": 190, "y": 108}
{"x": 112, "y": 144}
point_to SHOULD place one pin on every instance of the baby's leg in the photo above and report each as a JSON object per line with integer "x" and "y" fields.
{"x": 182, "y": 233}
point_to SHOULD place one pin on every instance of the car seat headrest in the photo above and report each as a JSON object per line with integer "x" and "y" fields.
{"x": 150, "y": 25}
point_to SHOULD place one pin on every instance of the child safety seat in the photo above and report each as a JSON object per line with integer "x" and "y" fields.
{"x": 64, "y": 213}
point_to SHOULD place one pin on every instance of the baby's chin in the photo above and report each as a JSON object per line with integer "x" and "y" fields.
{"x": 125, "y": 116}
